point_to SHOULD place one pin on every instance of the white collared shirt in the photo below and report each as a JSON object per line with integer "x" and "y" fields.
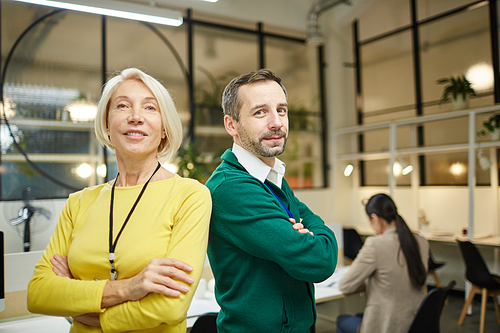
{"x": 257, "y": 168}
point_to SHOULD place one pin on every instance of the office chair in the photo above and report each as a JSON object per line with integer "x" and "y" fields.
{"x": 352, "y": 244}
{"x": 431, "y": 270}
{"x": 429, "y": 311}
{"x": 483, "y": 282}
{"x": 206, "y": 323}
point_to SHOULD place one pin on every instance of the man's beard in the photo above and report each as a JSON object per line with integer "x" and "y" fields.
{"x": 257, "y": 148}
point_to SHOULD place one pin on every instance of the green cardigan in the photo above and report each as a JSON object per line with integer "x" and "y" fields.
{"x": 264, "y": 269}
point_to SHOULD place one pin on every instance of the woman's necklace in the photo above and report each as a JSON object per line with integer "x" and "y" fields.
{"x": 112, "y": 245}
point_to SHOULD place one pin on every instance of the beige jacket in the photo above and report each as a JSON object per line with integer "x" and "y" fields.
{"x": 380, "y": 267}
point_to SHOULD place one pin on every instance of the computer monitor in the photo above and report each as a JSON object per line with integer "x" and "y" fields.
{"x": 2, "y": 274}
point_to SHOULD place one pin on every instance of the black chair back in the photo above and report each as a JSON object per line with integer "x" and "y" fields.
{"x": 476, "y": 270}
{"x": 352, "y": 243}
{"x": 432, "y": 265}
{"x": 206, "y": 323}
{"x": 429, "y": 313}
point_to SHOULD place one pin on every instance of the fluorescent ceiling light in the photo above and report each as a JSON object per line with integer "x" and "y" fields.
{"x": 117, "y": 9}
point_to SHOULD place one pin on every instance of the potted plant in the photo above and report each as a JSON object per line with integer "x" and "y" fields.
{"x": 191, "y": 163}
{"x": 459, "y": 89}
{"x": 491, "y": 126}
{"x": 208, "y": 97}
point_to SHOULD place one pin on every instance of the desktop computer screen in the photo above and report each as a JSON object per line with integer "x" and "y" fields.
{"x": 2, "y": 275}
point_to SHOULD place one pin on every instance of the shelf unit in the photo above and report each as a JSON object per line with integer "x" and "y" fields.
{"x": 95, "y": 155}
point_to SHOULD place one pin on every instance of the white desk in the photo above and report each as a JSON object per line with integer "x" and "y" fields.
{"x": 200, "y": 306}
{"x": 36, "y": 325}
{"x": 329, "y": 289}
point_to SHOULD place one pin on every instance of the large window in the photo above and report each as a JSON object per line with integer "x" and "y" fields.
{"x": 399, "y": 63}
{"x": 55, "y": 63}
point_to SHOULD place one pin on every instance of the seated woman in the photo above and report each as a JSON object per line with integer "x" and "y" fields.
{"x": 391, "y": 267}
{"x": 127, "y": 255}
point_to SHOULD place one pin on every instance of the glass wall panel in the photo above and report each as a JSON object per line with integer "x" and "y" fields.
{"x": 377, "y": 173}
{"x": 378, "y": 140}
{"x": 384, "y": 16}
{"x": 426, "y": 8}
{"x": 456, "y": 45}
{"x": 56, "y": 72}
{"x": 51, "y": 86}
{"x": 41, "y": 141}
{"x": 159, "y": 51}
{"x": 18, "y": 175}
{"x": 452, "y": 169}
{"x": 451, "y": 45}
{"x": 387, "y": 74}
{"x": 219, "y": 55}
{"x": 386, "y": 115}
{"x": 293, "y": 62}
{"x": 449, "y": 131}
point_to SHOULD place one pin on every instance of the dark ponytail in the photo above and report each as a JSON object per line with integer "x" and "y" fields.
{"x": 383, "y": 206}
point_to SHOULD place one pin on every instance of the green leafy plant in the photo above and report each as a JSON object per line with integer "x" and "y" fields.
{"x": 191, "y": 163}
{"x": 208, "y": 96}
{"x": 299, "y": 118}
{"x": 490, "y": 125}
{"x": 455, "y": 86}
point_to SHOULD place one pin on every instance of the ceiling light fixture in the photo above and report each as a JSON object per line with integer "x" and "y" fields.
{"x": 484, "y": 161}
{"x": 348, "y": 170}
{"x": 407, "y": 169}
{"x": 119, "y": 9}
{"x": 401, "y": 168}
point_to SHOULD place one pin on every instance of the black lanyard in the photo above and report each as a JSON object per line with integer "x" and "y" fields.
{"x": 112, "y": 245}
{"x": 281, "y": 202}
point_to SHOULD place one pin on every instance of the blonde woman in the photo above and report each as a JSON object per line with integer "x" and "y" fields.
{"x": 127, "y": 255}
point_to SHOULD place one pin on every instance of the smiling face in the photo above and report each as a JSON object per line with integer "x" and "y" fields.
{"x": 262, "y": 127}
{"x": 134, "y": 123}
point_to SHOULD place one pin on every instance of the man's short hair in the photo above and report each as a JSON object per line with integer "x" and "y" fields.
{"x": 231, "y": 103}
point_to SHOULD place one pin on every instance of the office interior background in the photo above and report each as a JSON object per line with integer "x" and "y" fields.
{"x": 362, "y": 91}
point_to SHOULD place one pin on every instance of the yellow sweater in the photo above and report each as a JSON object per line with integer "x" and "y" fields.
{"x": 170, "y": 221}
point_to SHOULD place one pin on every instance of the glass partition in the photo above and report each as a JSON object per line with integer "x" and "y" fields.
{"x": 293, "y": 62}
{"x": 50, "y": 98}
{"x": 398, "y": 80}
{"x": 387, "y": 58}
{"x": 456, "y": 45}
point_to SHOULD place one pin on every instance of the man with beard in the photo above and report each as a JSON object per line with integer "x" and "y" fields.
{"x": 266, "y": 248}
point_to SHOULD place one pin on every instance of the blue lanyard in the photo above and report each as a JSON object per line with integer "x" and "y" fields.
{"x": 289, "y": 213}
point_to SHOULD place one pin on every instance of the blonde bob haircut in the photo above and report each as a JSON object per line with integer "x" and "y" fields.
{"x": 170, "y": 119}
